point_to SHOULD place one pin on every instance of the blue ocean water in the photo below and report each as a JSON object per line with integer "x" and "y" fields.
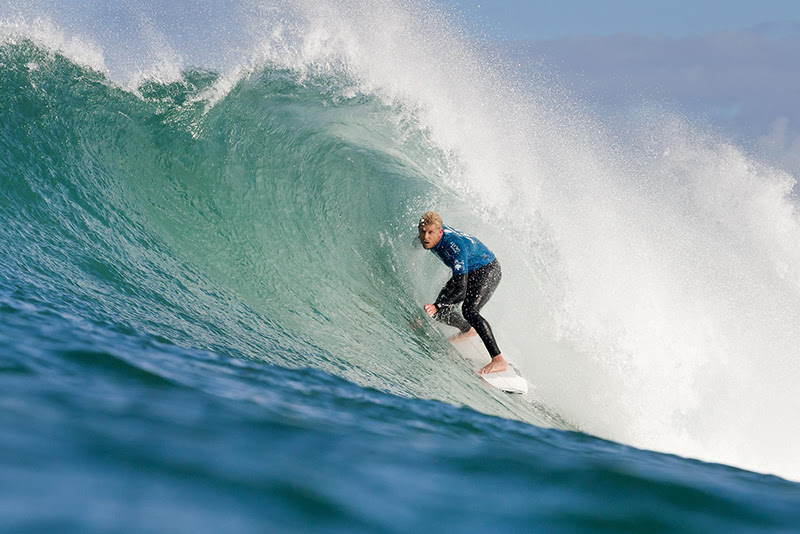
{"x": 210, "y": 308}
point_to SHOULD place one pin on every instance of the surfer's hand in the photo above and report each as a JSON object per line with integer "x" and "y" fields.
{"x": 430, "y": 309}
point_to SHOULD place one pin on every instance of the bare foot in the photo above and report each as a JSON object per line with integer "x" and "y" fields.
{"x": 497, "y": 365}
{"x": 463, "y": 335}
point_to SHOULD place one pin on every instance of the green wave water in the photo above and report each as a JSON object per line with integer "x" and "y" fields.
{"x": 264, "y": 223}
{"x": 210, "y": 309}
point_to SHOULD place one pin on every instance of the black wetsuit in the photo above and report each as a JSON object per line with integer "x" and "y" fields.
{"x": 476, "y": 274}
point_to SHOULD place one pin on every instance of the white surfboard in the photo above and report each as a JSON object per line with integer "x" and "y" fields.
{"x": 510, "y": 380}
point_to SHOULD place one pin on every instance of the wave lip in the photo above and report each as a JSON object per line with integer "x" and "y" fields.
{"x": 652, "y": 283}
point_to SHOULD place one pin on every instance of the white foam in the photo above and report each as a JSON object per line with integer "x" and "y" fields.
{"x": 651, "y": 283}
{"x": 46, "y": 33}
{"x": 658, "y": 276}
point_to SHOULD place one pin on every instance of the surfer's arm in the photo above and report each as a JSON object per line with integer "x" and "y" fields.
{"x": 455, "y": 290}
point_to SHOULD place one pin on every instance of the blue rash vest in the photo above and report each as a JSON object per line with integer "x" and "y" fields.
{"x": 462, "y": 252}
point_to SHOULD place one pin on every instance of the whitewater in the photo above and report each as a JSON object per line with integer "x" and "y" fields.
{"x": 209, "y": 236}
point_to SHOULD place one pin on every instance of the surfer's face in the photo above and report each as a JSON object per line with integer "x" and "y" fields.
{"x": 430, "y": 235}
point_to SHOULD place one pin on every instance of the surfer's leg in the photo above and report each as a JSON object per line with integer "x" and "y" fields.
{"x": 449, "y": 315}
{"x": 480, "y": 287}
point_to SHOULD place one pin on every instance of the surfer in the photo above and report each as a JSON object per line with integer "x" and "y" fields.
{"x": 476, "y": 273}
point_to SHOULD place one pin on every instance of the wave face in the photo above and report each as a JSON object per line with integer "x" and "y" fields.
{"x": 245, "y": 230}
{"x": 276, "y": 224}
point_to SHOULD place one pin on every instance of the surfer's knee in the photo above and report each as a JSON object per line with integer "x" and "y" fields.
{"x": 470, "y": 314}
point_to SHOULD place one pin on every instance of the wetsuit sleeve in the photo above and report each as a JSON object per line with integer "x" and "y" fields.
{"x": 455, "y": 290}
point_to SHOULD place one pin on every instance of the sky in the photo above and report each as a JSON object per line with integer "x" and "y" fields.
{"x": 729, "y": 64}
{"x": 549, "y": 19}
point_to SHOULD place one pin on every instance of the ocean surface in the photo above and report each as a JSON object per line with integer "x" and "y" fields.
{"x": 211, "y": 298}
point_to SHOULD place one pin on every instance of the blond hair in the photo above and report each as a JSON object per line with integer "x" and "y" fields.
{"x": 430, "y": 218}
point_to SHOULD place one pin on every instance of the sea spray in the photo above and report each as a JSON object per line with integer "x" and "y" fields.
{"x": 669, "y": 309}
{"x": 650, "y": 280}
